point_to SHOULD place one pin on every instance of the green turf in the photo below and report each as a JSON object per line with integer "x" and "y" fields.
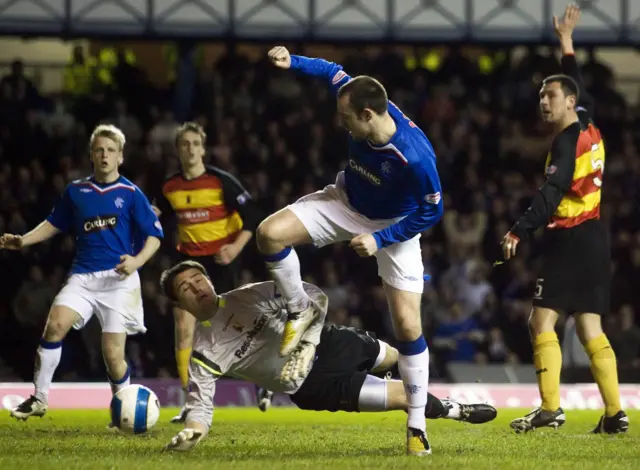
{"x": 288, "y": 438}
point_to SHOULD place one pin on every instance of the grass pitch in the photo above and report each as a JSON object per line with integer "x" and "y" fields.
{"x": 289, "y": 438}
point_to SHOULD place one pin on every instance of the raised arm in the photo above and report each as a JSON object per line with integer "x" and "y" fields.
{"x": 332, "y": 72}
{"x": 564, "y": 30}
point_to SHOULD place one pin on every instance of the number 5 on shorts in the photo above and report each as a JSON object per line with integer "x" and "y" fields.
{"x": 538, "y": 292}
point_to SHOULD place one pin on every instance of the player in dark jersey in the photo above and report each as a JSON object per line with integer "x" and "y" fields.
{"x": 215, "y": 218}
{"x": 388, "y": 194}
{"x": 108, "y": 215}
{"x": 575, "y": 276}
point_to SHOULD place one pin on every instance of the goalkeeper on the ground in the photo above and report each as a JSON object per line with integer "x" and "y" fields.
{"x": 239, "y": 333}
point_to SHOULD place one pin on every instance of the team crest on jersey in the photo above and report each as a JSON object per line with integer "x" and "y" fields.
{"x": 432, "y": 198}
{"x": 238, "y": 327}
{"x": 552, "y": 169}
{"x": 99, "y": 223}
{"x": 119, "y": 202}
{"x": 337, "y": 77}
{"x": 385, "y": 168}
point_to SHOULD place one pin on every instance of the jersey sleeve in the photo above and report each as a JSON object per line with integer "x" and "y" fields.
{"x": 163, "y": 204}
{"x": 203, "y": 375}
{"x": 237, "y": 198}
{"x": 61, "y": 216}
{"x": 558, "y": 179}
{"x": 570, "y": 67}
{"x": 330, "y": 71}
{"x": 144, "y": 218}
{"x": 427, "y": 190}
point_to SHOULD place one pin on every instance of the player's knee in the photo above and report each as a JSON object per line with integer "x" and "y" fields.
{"x": 389, "y": 359}
{"x": 542, "y": 320}
{"x": 269, "y": 234}
{"x": 279, "y": 231}
{"x": 59, "y": 323}
{"x": 407, "y": 327}
{"x": 588, "y": 326}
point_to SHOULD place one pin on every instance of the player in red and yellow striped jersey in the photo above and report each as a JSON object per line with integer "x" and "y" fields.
{"x": 575, "y": 277}
{"x": 214, "y": 217}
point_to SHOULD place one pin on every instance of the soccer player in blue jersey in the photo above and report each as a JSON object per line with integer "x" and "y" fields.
{"x": 116, "y": 233}
{"x": 388, "y": 194}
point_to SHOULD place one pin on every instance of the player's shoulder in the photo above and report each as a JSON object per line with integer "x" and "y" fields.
{"x": 78, "y": 184}
{"x": 413, "y": 146}
{"x": 125, "y": 183}
{"x": 223, "y": 175}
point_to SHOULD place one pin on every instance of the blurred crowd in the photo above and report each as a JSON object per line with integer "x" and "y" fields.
{"x": 276, "y": 131}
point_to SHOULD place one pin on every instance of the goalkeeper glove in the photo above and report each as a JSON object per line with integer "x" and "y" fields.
{"x": 299, "y": 363}
{"x": 185, "y": 440}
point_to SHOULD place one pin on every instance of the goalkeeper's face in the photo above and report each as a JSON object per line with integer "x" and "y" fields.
{"x": 194, "y": 292}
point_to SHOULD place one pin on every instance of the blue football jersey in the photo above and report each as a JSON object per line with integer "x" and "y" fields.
{"x": 398, "y": 179}
{"x": 108, "y": 220}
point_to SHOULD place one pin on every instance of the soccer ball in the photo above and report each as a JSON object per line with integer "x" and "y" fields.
{"x": 135, "y": 409}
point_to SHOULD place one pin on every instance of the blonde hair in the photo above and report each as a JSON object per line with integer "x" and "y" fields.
{"x": 109, "y": 131}
{"x": 190, "y": 127}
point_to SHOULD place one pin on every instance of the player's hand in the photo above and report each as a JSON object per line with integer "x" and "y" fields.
{"x": 227, "y": 254}
{"x": 10, "y": 242}
{"x": 365, "y": 245}
{"x": 570, "y": 19}
{"x": 128, "y": 265}
{"x": 280, "y": 57}
{"x": 185, "y": 440}
{"x": 509, "y": 244}
{"x": 299, "y": 363}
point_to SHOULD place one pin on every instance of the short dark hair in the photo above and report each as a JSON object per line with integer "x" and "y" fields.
{"x": 168, "y": 276}
{"x": 569, "y": 85}
{"x": 190, "y": 127}
{"x": 365, "y": 92}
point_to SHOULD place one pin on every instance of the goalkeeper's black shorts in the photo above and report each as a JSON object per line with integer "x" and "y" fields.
{"x": 344, "y": 357}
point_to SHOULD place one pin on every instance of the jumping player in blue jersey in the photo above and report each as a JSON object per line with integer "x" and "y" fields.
{"x": 388, "y": 194}
{"x": 116, "y": 233}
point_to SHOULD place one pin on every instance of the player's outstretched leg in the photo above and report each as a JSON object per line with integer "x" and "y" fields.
{"x": 60, "y": 321}
{"x": 263, "y": 398}
{"x": 275, "y": 237}
{"x": 547, "y": 359}
{"x": 387, "y": 395}
{"x": 396, "y": 398}
{"x": 605, "y": 372}
{"x": 413, "y": 364}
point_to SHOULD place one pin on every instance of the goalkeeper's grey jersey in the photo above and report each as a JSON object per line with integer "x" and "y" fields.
{"x": 242, "y": 340}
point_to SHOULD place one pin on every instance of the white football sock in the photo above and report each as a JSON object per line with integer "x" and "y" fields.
{"x": 285, "y": 271}
{"x": 414, "y": 370}
{"x": 373, "y": 394}
{"x": 47, "y": 361}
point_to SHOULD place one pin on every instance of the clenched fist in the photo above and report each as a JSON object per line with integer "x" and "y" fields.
{"x": 10, "y": 242}
{"x": 280, "y": 57}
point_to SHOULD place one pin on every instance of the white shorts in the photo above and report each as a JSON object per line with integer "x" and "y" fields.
{"x": 116, "y": 302}
{"x": 328, "y": 217}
